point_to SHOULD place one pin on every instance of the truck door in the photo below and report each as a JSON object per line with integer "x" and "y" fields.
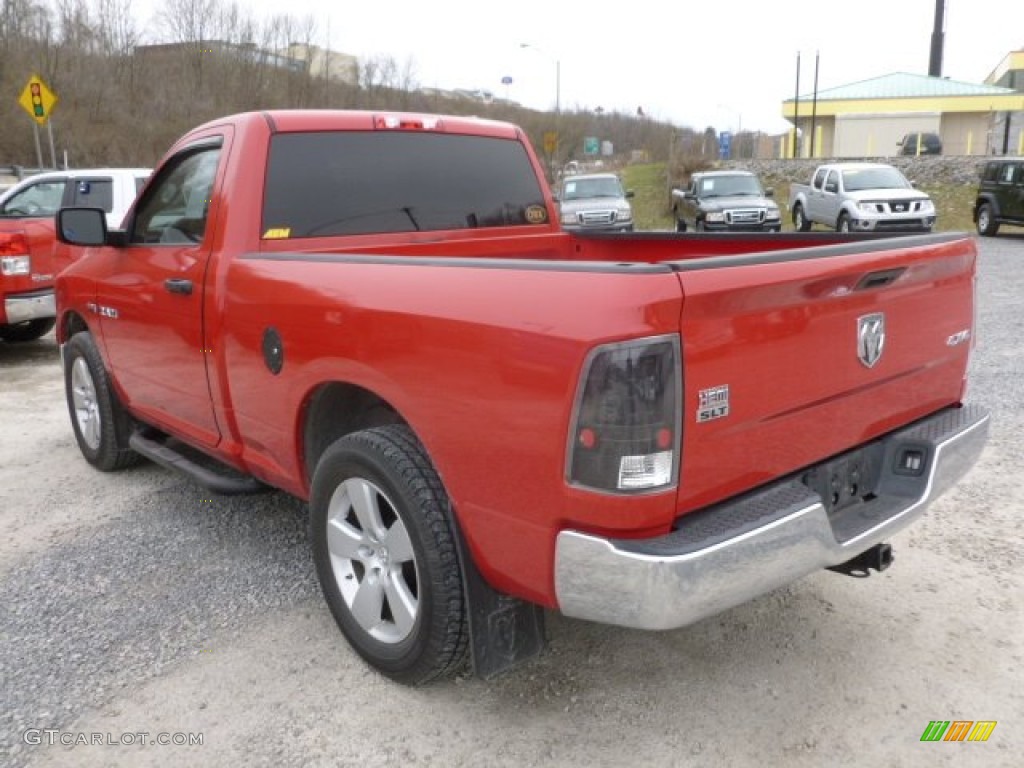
{"x": 815, "y": 195}
{"x": 830, "y": 198}
{"x": 151, "y": 303}
{"x": 1013, "y": 201}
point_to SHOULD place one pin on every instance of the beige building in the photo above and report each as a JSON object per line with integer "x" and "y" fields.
{"x": 322, "y": 62}
{"x": 1008, "y": 127}
{"x": 868, "y": 118}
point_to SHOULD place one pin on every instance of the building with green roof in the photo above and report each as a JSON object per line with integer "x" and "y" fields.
{"x": 868, "y": 118}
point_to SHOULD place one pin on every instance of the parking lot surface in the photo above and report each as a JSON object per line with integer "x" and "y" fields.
{"x": 137, "y": 608}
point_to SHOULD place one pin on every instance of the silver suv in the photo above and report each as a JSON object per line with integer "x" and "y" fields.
{"x": 594, "y": 202}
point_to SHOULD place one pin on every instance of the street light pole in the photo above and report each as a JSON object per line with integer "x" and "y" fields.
{"x": 558, "y": 74}
{"x": 558, "y": 102}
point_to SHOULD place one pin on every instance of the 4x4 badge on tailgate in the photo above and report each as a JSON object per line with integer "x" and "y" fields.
{"x": 870, "y": 338}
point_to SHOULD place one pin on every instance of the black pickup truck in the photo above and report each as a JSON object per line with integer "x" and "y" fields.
{"x": 725, "y": 201}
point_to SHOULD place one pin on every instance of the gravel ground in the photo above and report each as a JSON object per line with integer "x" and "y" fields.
{"x": 136, "y": 603}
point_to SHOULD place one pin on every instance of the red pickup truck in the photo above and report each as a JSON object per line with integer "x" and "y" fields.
{"x": 31, "y": 256}
{"x": 378, "y": 313}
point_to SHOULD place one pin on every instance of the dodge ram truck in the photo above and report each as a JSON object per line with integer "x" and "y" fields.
{"x": 860, "y": 197}
{"x": 30, "y": 256}
{"x": 489, "y": 416}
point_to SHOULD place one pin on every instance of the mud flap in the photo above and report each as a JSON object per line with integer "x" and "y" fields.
{"x": 504, "y": 631}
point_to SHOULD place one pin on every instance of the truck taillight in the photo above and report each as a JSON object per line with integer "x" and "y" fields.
{"x": 13, "y": 244}
{"x": 625, "y": 433}
{"x": 404, "y": 123}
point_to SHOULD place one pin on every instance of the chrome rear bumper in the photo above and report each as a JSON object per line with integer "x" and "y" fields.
{"x": 30, "y": 306}
{"x": 761, "y": 541}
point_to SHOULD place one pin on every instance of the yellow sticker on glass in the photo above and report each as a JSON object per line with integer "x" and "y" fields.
{"x": 277, "y": 233}
{"x": 536, "y": 214}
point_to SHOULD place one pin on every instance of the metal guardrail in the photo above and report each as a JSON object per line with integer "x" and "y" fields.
{"x": 20, "y": 172}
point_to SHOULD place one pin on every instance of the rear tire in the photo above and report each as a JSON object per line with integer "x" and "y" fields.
{"x": 386, "y": 555}
{"x": 102, "y": 426}
{"x": 30, "y": 330}
{"x": 987, "y": 225}
{"x": 800, "y": 222}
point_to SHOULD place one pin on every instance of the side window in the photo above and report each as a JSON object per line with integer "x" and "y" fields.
{"x": 832, "y": 185}
{"x": 40, "y": 199}
{"x": 819, "y": 179}
{"x": 176, "y": 206}
{"x": 94, "y": 193}
{"x": 1006, "y": 174}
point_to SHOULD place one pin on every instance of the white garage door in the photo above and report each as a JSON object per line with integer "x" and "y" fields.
{"x": 877, "y": 135}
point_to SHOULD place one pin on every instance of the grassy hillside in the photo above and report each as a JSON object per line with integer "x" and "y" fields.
{"x": 650, "y": 205}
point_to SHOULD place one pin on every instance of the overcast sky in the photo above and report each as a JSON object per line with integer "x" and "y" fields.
{"x": 727, "y": 64}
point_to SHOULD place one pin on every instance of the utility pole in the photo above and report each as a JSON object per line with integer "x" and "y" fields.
{"x": 796, "y": 111}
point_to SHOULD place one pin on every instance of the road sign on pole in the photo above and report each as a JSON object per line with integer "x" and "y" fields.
{"x": 724, "y": 145}
{"x": 38, "y": 100}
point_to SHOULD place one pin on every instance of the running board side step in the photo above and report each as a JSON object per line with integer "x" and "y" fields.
{"x": 167, "y": 456}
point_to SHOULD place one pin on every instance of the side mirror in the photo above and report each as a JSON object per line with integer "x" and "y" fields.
{"x": 82, "y": 226}
{"x": 769, "y": 192}
{"x": 630, "y": 193}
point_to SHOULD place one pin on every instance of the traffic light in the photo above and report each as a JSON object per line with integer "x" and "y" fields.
{"x": 37, "y": 100}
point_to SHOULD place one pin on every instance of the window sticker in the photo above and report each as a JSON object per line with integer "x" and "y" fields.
{"x": 277, "y": 233}
{"x": 536, "y": 214}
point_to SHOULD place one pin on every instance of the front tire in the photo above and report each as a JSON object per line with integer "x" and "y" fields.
{"x": 843, "y": 225}
{"x": 987, "y": 225}
{"x": 386, "y": 555}
{"x": 680, "y": 225}
{"x": 101, "y": 425}
{"x": 800, "y": 221}
{"x": 30, "y": 330}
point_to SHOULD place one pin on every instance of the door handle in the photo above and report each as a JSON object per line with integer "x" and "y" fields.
{"x": 178, "y": 285}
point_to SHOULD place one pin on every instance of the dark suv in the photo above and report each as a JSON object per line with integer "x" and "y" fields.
{"x": 1000, "y": 195}
{"x": 920, "y": 144}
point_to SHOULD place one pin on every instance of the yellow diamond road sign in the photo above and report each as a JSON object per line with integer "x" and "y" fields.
{"x": 37, "y": 100}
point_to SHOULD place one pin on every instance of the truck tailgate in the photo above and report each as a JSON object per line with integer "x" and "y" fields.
{"x": 794, "y": 356}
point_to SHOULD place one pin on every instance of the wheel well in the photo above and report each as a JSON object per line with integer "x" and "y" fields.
{"x": 335, "y": 410}
{"x": 989, "y": 201}
{"x": 71, "y": 324}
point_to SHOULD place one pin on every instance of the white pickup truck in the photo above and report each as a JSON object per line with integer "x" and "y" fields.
{"x": 860, "y": 197}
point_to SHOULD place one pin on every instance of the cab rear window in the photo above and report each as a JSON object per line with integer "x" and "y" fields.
{"x": 351, "y": 182}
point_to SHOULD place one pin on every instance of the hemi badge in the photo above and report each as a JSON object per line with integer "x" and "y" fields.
{"x": 713, "y": 403}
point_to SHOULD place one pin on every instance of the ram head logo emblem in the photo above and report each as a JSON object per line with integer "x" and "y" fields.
{"x": 870, "y": 338}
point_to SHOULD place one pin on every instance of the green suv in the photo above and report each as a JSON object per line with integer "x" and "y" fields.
{"x": 1000, "y": 195}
